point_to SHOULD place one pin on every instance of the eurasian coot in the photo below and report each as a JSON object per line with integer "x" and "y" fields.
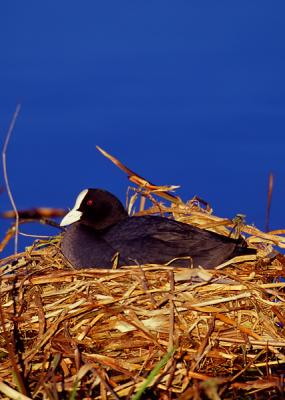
{"x": 99, "y": 227}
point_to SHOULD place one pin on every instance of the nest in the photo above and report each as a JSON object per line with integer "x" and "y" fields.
{"x": 146, "y": 331}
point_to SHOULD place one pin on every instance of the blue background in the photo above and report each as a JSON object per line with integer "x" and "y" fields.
{"x": 183, "y": 92}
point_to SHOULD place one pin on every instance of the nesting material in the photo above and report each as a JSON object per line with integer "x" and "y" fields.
{"x": 146, "y": 330}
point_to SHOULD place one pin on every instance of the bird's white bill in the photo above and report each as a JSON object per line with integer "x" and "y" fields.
{"x": 74, "y": 215}
{"x": 71, "y": 217}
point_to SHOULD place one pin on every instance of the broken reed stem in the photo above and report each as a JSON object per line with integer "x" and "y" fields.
{"x": 269, "y": 198}
{"x": 4, "y": 164}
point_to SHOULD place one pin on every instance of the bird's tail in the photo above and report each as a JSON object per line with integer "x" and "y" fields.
{"x": 243, "y": 251}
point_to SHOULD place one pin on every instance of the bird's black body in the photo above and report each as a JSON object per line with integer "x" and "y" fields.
{"x": 141, "y": 240}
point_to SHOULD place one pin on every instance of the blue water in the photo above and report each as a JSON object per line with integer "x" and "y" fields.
{"x": 188, "y": 93}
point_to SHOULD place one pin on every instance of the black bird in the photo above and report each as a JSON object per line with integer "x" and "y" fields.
{"x": 100, "y": 227}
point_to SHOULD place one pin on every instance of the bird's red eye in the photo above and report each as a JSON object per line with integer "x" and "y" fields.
{"x": 89, "y": 202}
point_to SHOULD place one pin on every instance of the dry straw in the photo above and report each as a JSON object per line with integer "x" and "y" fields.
{"x": 147, "y": 331}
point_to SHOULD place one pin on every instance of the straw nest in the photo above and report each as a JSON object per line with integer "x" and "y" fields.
{"x": 147, "y": 331}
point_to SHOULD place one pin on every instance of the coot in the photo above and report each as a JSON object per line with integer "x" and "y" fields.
{"x": 99, "y": 228}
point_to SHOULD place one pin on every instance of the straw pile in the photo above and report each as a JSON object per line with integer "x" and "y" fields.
{"x": 145, "y": 331}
